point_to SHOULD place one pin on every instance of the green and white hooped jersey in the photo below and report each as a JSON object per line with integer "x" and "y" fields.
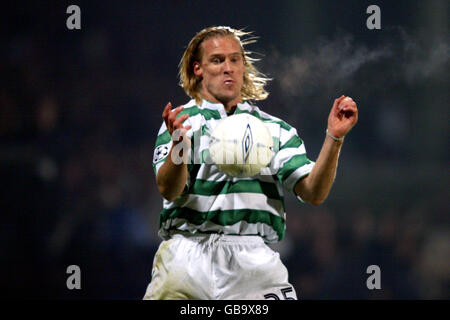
{"x": 213, "y": 202}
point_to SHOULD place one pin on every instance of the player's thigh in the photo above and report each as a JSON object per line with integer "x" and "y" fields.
{"x": 178, "y": 272}
{"x": 256, "y": 273}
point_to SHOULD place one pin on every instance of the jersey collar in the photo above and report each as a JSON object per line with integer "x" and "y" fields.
{"x": 244, "y": 105}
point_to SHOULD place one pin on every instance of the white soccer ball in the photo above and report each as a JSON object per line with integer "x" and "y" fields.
{"x": 241, "y": 145}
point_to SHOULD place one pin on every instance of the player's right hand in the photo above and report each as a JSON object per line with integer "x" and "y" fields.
{"x": 173, "y": 123}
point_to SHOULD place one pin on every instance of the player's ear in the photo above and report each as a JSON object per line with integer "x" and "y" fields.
{"x": 198, "y": 71}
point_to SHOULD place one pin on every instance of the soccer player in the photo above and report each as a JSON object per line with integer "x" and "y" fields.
{"x": 215, "y": 227}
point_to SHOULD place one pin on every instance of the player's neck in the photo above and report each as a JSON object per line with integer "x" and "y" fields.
{"x": 229, "y": 105}
{"x": 231, "y": 110}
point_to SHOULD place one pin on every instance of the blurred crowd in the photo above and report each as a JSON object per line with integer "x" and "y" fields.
{"x": 77, "y": 131}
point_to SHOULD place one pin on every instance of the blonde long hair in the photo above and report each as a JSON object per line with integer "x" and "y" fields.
{"x": 254, "y": 81}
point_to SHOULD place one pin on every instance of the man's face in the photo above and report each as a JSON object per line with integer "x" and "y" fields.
{"x": 222, "y": 70}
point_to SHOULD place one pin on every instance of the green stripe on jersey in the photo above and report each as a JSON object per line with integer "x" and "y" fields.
{"x": 256, "y": 114}
{"x": 293, "y": 142}
{"x": 226, "y": 217}
{"x": 210, "y": 188}
{"x": 208, "y": 114}
{"x": 163, "y": 138}
{"x": 291, "y": 165}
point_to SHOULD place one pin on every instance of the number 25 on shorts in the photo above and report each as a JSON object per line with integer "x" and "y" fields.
{"x": 284, "y": 292}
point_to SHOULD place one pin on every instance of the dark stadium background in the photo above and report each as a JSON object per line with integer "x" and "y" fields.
{"x": 80, "y": 110}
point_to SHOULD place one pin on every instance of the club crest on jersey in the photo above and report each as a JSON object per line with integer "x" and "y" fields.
{"x": 247, "y": 143}
{"x": 160, "y": 153}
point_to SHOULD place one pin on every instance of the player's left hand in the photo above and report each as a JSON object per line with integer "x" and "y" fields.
{"x": 343, "y": 116}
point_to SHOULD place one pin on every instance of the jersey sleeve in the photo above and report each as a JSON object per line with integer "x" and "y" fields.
{"x": 163, "y": 145}
{"x": 162, "y": 148}
{"x": 291, "y": 162}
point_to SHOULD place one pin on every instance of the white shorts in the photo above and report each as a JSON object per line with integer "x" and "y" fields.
{"x": 218, "y": 267}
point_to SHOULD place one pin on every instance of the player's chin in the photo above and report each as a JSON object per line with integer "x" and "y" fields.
{"x": 228, "y": 96}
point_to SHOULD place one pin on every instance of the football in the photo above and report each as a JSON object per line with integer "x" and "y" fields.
{"x": 241, "y": 145}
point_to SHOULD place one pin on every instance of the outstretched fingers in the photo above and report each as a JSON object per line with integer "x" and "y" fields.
{"x": 178, "y": 123}
{"x": 171, "y": 120}
{"x": 166, "y": 111}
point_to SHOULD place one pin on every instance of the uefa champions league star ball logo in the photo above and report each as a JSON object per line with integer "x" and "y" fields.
{"x": 160, "y": 153}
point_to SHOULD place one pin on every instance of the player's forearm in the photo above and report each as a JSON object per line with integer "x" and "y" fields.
{"x": 171, "y": 178}
{"x": 316, "y": 186}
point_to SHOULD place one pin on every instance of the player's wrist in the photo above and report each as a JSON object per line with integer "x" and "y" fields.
{"x": 340, "y": 139}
